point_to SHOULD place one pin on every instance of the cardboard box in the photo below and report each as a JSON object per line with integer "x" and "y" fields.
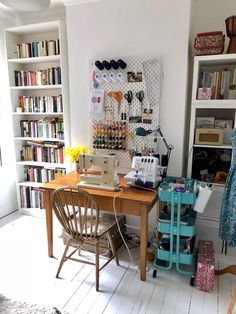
{"x": 205, "y": 122}
{"x": 104, "y": 247}
{"x": 227, "y": 126}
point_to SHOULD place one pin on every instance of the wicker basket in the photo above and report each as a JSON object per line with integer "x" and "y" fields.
{"x": 210, "y": 43}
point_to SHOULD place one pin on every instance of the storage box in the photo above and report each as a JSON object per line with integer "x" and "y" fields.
{"x": 104, "y": 247}
{"x": 205, "y": 274}
{"x": 208, "y": 122}
{"x": 227, "y": 126}
{"x": 209, "y": 136}
{"x": 204, "y": 93}
{"x": 209, "y": 43}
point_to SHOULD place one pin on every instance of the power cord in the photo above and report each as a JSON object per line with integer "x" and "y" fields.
{"x": 117, "y": 222}
{"x": 118, "y": 226}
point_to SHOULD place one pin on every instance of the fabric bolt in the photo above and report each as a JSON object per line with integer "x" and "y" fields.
{"x": 227, "y": 229}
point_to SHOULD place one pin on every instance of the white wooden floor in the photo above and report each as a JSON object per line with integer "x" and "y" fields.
{"x": 26, "y": 273}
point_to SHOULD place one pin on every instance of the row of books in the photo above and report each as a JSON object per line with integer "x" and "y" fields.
{"x": 49, "y": 76}
{"x": 220, "y": 82}
{"x": 45, "y": 128}
{"x": 31, "y": 197}
{"x": 42, "y": 175}
{"x": 42, "y": 154}
{"x": 38, "y": 48}
{"x": 41, "y": 103}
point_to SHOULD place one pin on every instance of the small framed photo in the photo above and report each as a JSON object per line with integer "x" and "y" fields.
{"x": 134, "y": 77}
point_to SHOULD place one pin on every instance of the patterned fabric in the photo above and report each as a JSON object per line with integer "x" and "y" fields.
{"x": 205, "y": 273}
{"x": 209, "y": 43}
{"x": 228, "y": 209}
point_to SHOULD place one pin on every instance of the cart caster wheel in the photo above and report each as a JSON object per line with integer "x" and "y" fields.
{"x": 154, "y": 274}
{"x": 192, "y": 279}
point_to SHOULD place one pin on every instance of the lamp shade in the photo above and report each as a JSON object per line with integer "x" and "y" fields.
{"x": 26, "y": 5}
{"x": 141, "y": 131}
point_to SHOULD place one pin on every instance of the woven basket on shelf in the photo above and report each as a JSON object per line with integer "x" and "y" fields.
{"x": 209, "y": 43}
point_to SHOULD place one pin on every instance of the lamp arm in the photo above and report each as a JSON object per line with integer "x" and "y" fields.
{"x": 163, "y": 138}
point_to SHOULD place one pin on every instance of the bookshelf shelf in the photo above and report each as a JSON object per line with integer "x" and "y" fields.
{"x": 38, "y": 81}
{"x": 37, "y": 113}
{"x": 214, "y": 146}
{"x": 211, "y": 161}
{"x": 58, "y": 86}
{"x": 30, "y": 184}
{"x": 43, "y": 59}
{"x": 216, "y": 104}
{"x": 41, "y": 164}
{"x": 39, "y": 139}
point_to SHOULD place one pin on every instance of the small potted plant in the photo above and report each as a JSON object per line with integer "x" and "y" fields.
{"x": 232, "y": 91}
{"x": 75, "y": 152}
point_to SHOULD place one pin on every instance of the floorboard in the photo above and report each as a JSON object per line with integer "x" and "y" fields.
{"x": 27, "y": 274}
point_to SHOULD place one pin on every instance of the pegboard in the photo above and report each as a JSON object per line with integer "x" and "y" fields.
{"x": 150, "y": 67}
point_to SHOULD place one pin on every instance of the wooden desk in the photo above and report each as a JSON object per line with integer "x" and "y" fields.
{"x": 131, "y": 202}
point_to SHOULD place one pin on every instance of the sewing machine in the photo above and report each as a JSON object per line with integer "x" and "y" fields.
{"x": 148, "y": 172}
{"x": 105, "y": 172}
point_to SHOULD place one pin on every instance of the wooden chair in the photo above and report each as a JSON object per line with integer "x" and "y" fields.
{"x": 78, "y": 213}
{"x": 232, "y": 302}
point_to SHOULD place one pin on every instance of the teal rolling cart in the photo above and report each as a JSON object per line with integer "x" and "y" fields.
{"x": 176, "y": 224}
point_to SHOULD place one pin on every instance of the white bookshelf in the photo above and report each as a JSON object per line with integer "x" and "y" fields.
{"x": 217, "y": 108}
{"x": 29, "y": 35}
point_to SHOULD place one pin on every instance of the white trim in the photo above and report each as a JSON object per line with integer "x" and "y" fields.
{"x": 75, "y": 2}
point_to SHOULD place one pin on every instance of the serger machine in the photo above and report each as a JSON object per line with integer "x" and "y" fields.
{"x": 149, "y": 170}
{"x": 103, "y": 174}
{"x": 147, "y": 174}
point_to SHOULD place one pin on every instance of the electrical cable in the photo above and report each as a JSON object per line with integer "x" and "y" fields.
{"x": 117, "y": 222}
{"x": 118, "y": 226}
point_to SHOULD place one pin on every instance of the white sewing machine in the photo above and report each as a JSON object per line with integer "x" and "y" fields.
{"x": 106, "y": 177}
{"x": 148, "y": 172}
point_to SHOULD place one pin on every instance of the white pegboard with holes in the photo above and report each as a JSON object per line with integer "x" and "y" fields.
{"x": 113, "y": 124}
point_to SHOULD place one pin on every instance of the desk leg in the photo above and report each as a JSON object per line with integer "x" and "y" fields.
{"x": 49, "y": 225}
{"x": 143, "y": 242}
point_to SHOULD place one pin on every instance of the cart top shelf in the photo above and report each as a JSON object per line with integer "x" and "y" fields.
{"x": 178, "y": 190}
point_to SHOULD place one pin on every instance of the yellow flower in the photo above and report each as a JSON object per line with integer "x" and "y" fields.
{"x": 75, "y": 152}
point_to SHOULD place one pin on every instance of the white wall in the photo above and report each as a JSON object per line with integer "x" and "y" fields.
{"x": 210, "y": 15}
{"x": 111, "y": 28}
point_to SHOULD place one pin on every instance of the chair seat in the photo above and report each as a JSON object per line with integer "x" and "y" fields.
{"x": 104, "y": 224}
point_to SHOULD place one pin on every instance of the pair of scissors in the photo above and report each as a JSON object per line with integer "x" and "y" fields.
{"x": 140, "y": 96}
{"x": 129, "y": 96}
